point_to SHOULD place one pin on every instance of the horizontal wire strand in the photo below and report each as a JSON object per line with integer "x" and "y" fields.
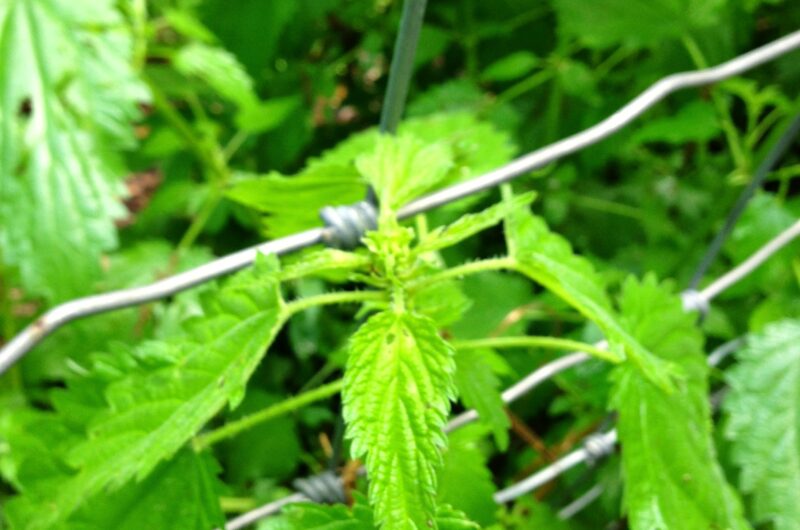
{"x": 60, "y": 315}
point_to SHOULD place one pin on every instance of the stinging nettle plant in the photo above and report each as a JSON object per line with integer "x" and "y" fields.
{"x": 135, "y": 417}
{"x": 129, "y": 438}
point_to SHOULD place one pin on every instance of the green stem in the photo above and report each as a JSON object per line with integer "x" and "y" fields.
{"x": 526, "y": 85}
{"x": 459, "y": 271}
{"x": 731, "y": 133}
{"x": 763, "y": 126}
{"x": 552, "y": 343}
{"x": 181, "y": 126}
{"x": 208, "y": 153}
{"x": 339, "y": 297}
{"x": 237, "y": 504}
{"x": 470, "y": 39}
{"x": 139, "y": 27}
{"x": 230, "y": 430}
{"x": 199, "y": 222}
{"x": 612, "y": 61}
{"x": 606, "y": 206}
{"x": 234, "y": 144}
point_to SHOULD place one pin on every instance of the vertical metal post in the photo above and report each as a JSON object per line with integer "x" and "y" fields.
{"x": 405, "y": 48}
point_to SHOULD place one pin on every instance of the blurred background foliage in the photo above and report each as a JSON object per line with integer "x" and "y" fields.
{"x": 194, "y": 124}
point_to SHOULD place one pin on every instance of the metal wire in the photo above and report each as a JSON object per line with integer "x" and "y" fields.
{"x": 261, "y": 512}
{"x": 773, "y": 157}
{"x": 595, "y": 448}
{"x": 562, "y": 465}
{"x": 405, "y": 48}
{"x": 751, "y": 263}
{"x": 91, "y": 305}
{"x": 609, "y": 126}
{"x": 570, "y": 510}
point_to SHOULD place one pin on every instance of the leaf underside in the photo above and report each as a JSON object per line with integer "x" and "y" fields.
{"x": 763, "y": 412}
{"x": 62, "y": 117}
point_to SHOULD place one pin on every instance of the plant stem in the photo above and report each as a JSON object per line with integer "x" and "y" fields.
{"x": 237, "y": 504}
{"x": 199, "y": 222}
{"x": 474, "y": 267}
{"x": 553, "y": 343}
{"x": 230, "y": 430}
{"x": 728, "y": 127}
{"x": 611, "y": 207}
{"x": 339, "y": 297}
{"x": 526, "y": 85}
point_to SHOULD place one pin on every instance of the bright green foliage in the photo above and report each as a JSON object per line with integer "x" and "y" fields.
{"x": 169, "y": 390}
{"x": 397, "y": 392}
{"x": 470, "y": 224}
{"x": 548, "y": 259}
{"x": 328, "y": 261}
{"x": 672, "y": 478}
{"x": 262, "y": 113}
{"x": 403, "y": 168}
{"x": 479, "y": 389}
{"x": 763, "y": 410}
{"x": 179, "y": 494}
{"x": 465, "y": 481}
{"x": 63, "y": 116}
{"x": 609, "y": 22}
{"x": 223, "y": 73}
{"x": 338, "y": 517}
{"x": 291, "y": 204}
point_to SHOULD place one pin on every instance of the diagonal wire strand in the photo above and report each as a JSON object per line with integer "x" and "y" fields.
{"x": 60, "y": 315}
{"x": 773, "y": 157}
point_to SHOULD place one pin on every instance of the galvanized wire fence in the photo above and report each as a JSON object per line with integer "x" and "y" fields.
{"x": 349, "y": 223}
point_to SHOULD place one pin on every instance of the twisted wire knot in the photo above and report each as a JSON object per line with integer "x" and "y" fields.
{"x": 324, "y": 488}
{"x": 694, "y": 300}
{"x": 348, "y": 224}
{"x": 597, "y": 447}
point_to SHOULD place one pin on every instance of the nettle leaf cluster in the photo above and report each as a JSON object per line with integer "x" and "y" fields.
{"x": 132, "y": 423}
{"x": 127, "y": 434}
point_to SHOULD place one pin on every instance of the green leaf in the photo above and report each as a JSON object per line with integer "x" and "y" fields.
{"x": 179, "y": 495}
{"x": 763, "y": 411}
{"x": 510, "y": 67}
{"x": 479, "y": 389}
{"x": 465, "y": 481}
{"x": 694, "y": 122}
{"x": 324, "y": 262}
{"x": 604, "y": 23}
{"x": 547, "y": 258}
{"x": 470, "y": 224}
{"x": 64, "y": 117}
{"x": 165, "y": 392}
{"x": 292, "y": 204}
{"x": 401, "y": 168}
{"x": 672, "y": 478}
{"x": 308, "y": 516}
{"x": 443, "y": 302}
{"x": 219, "y": 69}
{"x": 397, "y": 390}
{"x": 223, "y": 73}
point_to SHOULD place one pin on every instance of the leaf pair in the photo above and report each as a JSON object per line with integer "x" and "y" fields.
{"x": 156, "y": 398}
